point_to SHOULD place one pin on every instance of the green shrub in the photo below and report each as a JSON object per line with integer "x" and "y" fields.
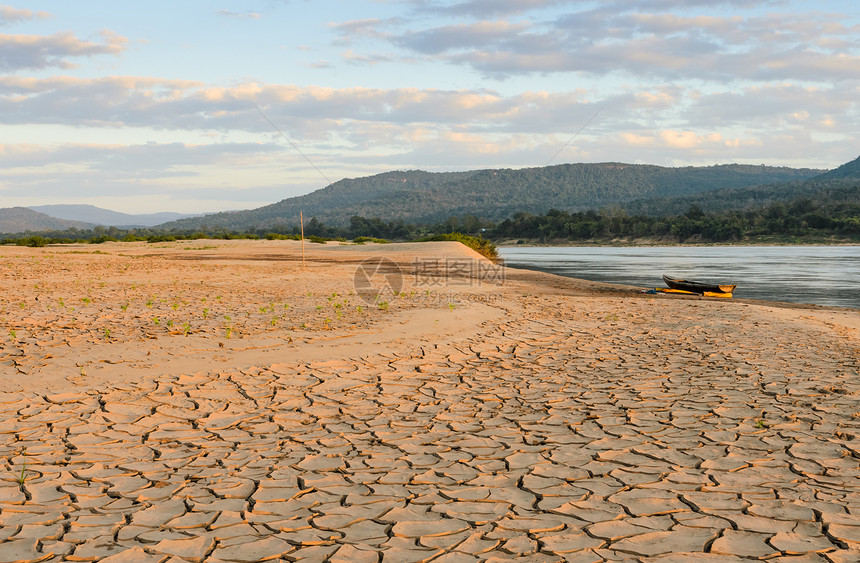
{"x": 34, "y": 240}
{"x": 479, "y": 244}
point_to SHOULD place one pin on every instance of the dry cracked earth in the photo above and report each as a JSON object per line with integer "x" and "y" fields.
{"x": 586, "y": 430}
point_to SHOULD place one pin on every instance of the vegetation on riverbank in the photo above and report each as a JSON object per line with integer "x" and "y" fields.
{"x": 830, "y": 219}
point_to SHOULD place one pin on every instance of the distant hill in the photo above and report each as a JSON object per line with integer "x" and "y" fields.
{"x": 849, "y": 170}
{"x": 106, "y": 217}
{"x": 22, "y": 219}
{"x": 839, "y": 185}
{"x": 424, "y": 197}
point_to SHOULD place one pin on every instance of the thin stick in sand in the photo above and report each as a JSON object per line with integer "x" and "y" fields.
{"x": 302, "y": 223}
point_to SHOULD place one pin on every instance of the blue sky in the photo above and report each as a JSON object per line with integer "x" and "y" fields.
{"x": 180, "y": 106}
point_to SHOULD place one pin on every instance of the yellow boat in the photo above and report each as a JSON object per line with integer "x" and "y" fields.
{"x": 706, "y": 293}
{"x": 719, "y": 290}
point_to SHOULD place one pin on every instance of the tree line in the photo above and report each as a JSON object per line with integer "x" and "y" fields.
{"x": 799, "y": 219}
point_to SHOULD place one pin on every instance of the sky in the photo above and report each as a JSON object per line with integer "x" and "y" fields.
{"x": 211, "y": 105}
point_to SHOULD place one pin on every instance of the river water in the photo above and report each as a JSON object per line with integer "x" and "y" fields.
{"x": 823, "y": 275}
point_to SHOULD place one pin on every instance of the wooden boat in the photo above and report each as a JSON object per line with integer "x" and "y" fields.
{"x": 681, "y": 291}
{"x": 697, "y": 287}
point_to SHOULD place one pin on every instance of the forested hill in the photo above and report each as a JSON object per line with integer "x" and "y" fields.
{"x": 424, "y": 197}
{"x": 850, "y": 170}
{"x": 841, "y": 185}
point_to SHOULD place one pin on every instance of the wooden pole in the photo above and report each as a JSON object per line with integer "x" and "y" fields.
{"x": 302, "y": 223}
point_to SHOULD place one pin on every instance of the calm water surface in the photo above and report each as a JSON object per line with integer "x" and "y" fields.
{"x": 824, "y": 275}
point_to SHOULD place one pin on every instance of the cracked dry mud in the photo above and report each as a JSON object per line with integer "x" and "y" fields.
{"x": 577, "y": 428}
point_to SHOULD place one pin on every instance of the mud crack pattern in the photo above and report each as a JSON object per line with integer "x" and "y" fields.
{"x": 618, "y": 434}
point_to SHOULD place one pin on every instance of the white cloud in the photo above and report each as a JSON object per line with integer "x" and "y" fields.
{"x": 353, "y": 119}
{"x": 8, "y": 14}
{"x": 239, "y": 15}
{"x": 19, "y": 52}
{"x": 626, "y": 38}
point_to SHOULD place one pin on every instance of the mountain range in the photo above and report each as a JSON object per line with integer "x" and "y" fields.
{"x": 105, "y": 217}
{"x": 426, "y": 197}
{"x": 416, "y": 196}
{"x": 39, "y": 218}
{"x": 22, "y": 219}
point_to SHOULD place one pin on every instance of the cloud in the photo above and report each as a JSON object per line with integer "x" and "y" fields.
{"x": 239, "y": 15}
{"x": 776, "y": 106}
{"x": 486, "y": 8}
{"x": 177, "y": 176}
{"x": 461, "y": 36}
{"x": 317, "y": 114}
{"x": 8, "y": 14}
{"x": 374, "y": 28}
{"x": 153, "y": 159}
{"x": 495, "y": 8}
{"x": 19, "y": 52}
{"x": 633, "y": 38}
{"x": 350, "y": 131}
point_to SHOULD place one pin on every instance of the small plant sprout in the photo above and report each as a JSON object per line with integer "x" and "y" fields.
{"x": 205, "y": 313}
{"x": 13, "y": 335}
{"x": 286, "y": 306}
{"x": 274, "y": 321}
{"x": 62, "y": 303}
{"x": 22, "y": 477}
{"x": 124, "y": 308}
{"x": 451, "y": 306}
{"x": 186, "y": 328}
{"x": 149, "y": 303}
{"x": 170, "y": 323}
{"x": 359, "y": 309}
{"x": 383, "y": 305}
{"x": 107, "y": 333}
{"x": 22, "y": 305}
{"x": 228, "y": 332}
{"x": 175, "y": 306}
{"x": 86, "y": 300}
{"x": 156, "y": 321}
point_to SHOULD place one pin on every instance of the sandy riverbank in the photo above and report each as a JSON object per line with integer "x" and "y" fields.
{"x": 218, "y": 400}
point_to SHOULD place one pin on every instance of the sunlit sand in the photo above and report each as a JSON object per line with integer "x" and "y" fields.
{"x": 223, "y": 401}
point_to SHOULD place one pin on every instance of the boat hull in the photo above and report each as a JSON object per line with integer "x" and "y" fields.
{"x": 697, "y": 287}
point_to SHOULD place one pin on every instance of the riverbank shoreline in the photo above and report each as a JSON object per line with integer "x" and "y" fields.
{"x": 820, "y": 275}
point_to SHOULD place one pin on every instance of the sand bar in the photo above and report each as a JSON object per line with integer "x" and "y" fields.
{"x": 219, "y": 401}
